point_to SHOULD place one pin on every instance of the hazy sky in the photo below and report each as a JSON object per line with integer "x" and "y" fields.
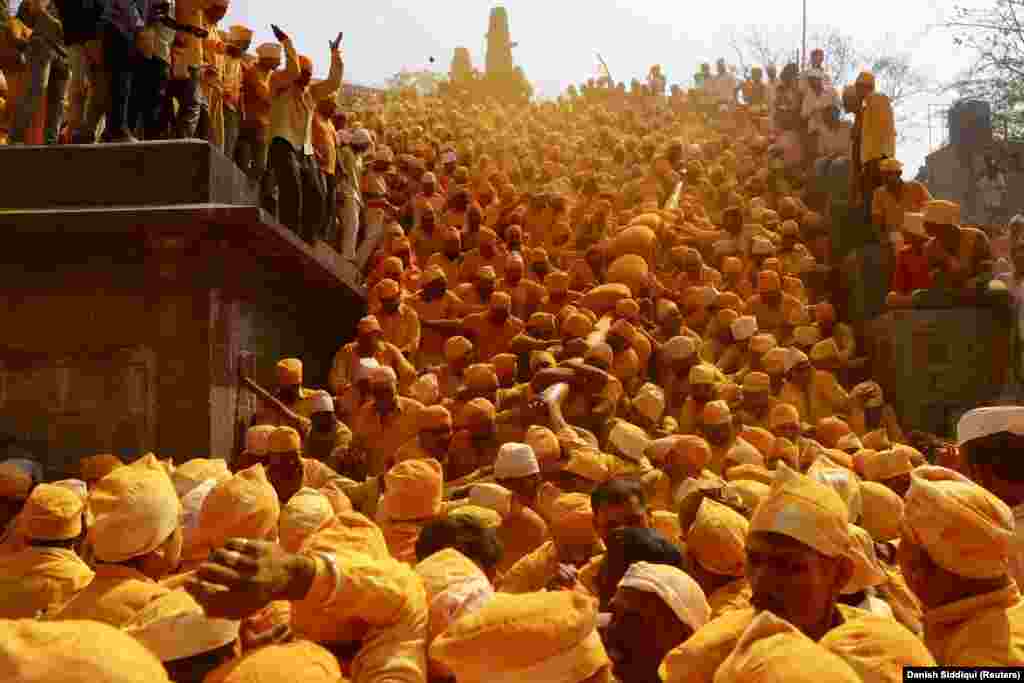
{"x": 558, "y": 38}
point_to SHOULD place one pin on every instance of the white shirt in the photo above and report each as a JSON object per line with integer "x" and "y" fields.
{"x": 814, "y": 105}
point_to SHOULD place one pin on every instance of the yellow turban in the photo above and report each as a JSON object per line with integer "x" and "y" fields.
{"x": 829, "y": 430}
{"x": 244, "y": 506}
{"x": 805, "y": 510}
{"x": 588, "y": 463}
{"x": 718, "y": 539}
{"x": 572, "y": 517}
{"x": 34, "y": 651}
{"x": 301, "y": 516}
{"x": 301, "y": 660}
{"x": 750, "y": 472}
{"x": 457, "y": 348}
{"x": 884, "y": 465}
{"x": 191, "y": 474}
{"x": 257, "y": 439}
{"x": 52, "y": 513}
{"x": 772, "y": 650}
{"x": 867, "y": 571}
{"x": 877, "y": 648}
{"x": 545, "y": 445}
{"x": 545, "y": 636}
{"x": 882, "y": 513}
{"x": 412, "y": 491}
{"x": 481, "y": 377}
{"x": 174, "y": 626}
{"x": 716, "y": 413}
{"x": 965, "y": 530}
{"x": 477, "y": 413}
{"x": 135, "y": 510}
{"x": 289, "y": 372}
{"x": 284, "y": 440}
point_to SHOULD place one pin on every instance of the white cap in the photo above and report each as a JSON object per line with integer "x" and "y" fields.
{"x": 982, "y": 422}
{"x": 515, "y": 460}
{"x": 679, "y": 348}
{"x": 361, "y": 136}
{"x": 491, "y": 496}
{"x": 674, "y": 586}
{"x": 321, "y": 402}
{"x": 744, "y": 327}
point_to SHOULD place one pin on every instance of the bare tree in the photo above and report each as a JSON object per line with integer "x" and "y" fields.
{"x": 996, "y": 36}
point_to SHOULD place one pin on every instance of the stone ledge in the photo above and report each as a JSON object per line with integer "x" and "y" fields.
{"x": 157, "y": 173}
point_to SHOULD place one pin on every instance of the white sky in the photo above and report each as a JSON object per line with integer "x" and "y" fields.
{"x": 557, "y": 38}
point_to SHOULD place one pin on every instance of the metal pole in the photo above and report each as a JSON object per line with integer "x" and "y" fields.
{"x": 803, "y": 41}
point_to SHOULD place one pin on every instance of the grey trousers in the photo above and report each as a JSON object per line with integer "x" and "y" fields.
{"x": 48, "y": 77}
{"x": 232, "y": 123}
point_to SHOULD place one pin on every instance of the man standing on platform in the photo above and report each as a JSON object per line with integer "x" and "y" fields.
{"x": 300, "y": 201}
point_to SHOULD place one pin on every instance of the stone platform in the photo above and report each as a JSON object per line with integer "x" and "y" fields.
{"x": 135, "y": 278}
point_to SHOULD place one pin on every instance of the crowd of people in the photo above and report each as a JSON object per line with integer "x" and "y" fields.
{"x": 605, "y": 419}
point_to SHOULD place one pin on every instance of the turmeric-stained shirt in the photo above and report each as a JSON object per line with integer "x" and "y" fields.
{"x": 382, "y": 436}
{"x": 444, "y": 307}
{"x": 115, "y": 596}
{"x": 878, "y": 129}
{"x": 888, "y": 208}
{"x": 325, "y": 145}
{"x": 383, "y": 594}
{"x": 521, "y": 532}
{"x": 401, "y": 328}
{"x": 533, "y": 572}
{"x": 256, "y": 98}
{"x": 984, "y": 630}
{"x": 346, "y": 363}
{"x": 698, "y": 658}
{"x": 489, "y": 338}
{"x": 731, "y": 597}
{"x": 37, "y": 580}
{"x": 827, "y": 396}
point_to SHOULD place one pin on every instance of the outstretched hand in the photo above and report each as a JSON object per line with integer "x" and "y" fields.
{"x": 336, "y": 42}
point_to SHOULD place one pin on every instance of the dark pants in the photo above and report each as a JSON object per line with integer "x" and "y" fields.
{"x": 186, "y": 92}
{"x": 121, "y": 61}
{"x": 328, "y": 233}
{"x": 149, "y": 92}
{"x": 300, "y": 201}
